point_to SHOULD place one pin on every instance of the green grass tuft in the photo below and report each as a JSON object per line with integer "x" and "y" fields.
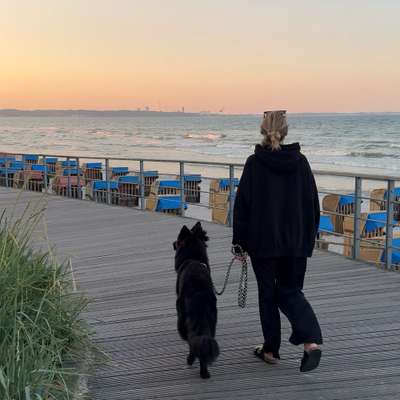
{"x": 42, "y": 338}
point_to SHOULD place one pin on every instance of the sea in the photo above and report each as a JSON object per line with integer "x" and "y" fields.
{"x": 363, "y": 142}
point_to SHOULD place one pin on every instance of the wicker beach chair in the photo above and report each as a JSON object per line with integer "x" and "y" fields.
{"x": 219, "y": 199}
{"x": 372, "y": 225}
{"x": 149, "y": 178}
{"x": 164, "y": 197}
{"x": 116, "y": 172}
{"x": 378, "y": 201}
{"x": 100, "y": 190}
{"x": 128, "y": 188}
{"x": 326, "y": 227}
{"x": 92, "y": 171}
{"x": 67, "y": 186}
{"x": 191, "y": 187}
{"x": 339, "y": 206}
{"x": 50, "y": 163}
{"x": 31, "y": 179}
{"x": 29, "y": 159}
{"x": 62, "y": 166}
{"x": 8, "y": 171}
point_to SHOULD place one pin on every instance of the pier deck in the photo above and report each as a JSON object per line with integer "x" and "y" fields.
{"x": 123, "y": 260}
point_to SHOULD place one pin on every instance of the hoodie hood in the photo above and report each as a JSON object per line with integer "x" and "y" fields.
{"x": 285, "y": 160}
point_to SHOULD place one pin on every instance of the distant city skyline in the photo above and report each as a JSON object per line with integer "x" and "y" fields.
{"x": 236, "y": 56}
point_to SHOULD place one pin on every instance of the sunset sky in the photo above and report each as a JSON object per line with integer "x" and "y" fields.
{"x": 243, "y": 56}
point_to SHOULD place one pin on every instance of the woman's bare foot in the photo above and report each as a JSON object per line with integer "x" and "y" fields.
{"x": 310, "y": 346}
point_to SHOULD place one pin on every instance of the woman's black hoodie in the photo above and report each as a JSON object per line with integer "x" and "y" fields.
{"x": 276, "y": 211}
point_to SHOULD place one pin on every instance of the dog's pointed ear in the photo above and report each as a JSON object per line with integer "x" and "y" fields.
{"x": 184, "y": 233}
{"x": 199, "y": 232}
{"x": 197, "y": 227}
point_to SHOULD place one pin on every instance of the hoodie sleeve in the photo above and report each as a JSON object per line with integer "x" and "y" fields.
{"x": 241, "y": 208}
{"x": 315, "y": 197}
{"x": 317, "y": 210}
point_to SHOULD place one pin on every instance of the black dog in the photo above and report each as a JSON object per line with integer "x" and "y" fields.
{"x": 196, "y": 302}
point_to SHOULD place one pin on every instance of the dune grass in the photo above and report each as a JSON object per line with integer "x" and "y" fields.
{"x": 42, "y": 338}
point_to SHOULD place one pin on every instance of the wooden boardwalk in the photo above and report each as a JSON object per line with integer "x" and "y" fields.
{"x": 123, "y": 259}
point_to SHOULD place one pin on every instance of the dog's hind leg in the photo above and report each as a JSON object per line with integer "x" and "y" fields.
{"x": 203, "y": 370}
{"x": 191, "y": 358}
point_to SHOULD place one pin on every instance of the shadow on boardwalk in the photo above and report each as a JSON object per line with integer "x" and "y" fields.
{"x": 124, "y": 260}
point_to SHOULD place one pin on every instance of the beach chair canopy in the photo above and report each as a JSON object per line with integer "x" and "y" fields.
{"x": 325, "y": 224}
{"x": 69, "y": 163}
{"x": 150, "y": 174}
{"x": 6, "y": 171}
{"x": 376, "y": 221}
{"x": 132, "y": 179}
{"x": 346, "y": 199}
{"x": 170, "y": 184}
{"x": 192, "y": 178}
{"x": 225, "y": 183}
{"x": 396, "y": 193}
{"x": 119, "y": 170}
{"x": 18, "y": 165}
{"x": 50, "y": 160}
{"x": 103, "y": 185}
{"x": 169, "y": 203}
{"x": 72, "y": 172}
{"x": 94, "y": 165}
{"x": 38, "y": 167}
{"x": 5, "y": 160}
{"x": 30, "y": 157}
{"x": 395, "y": 253}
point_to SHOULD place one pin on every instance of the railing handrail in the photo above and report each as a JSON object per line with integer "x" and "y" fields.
{"x": 345, "y": 174}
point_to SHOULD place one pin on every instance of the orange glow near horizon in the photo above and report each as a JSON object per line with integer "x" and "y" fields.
{"x": 240, "y": 56}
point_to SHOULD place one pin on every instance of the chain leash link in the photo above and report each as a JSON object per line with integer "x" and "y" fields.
{"x": 242, "y": 290}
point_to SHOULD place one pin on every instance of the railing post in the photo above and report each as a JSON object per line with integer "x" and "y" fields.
{"x": 43, "y": 158}
{"x": 141, "y": 186}
{"x": 69, "y": 177}
{"x": 231, "y": 194}
{"x": 389, "y": 224}
{"x": 357, "y": 217}
{"x": 78, "y": 180}
{"x": 6, "y": 172}
{"x": 108, "y": 180}
{"x": 182, "y": 187}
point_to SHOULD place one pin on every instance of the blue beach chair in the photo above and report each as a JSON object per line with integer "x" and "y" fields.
{"x": 339, "y": 205}
{"x": 128, "y": 188}
{"x": 100, "y": 191}
{"x": 165, "y": 197}
{"x": 219, "y": 199}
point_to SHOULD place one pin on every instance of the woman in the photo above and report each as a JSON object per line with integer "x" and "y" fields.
{"x": 276, "y": 219}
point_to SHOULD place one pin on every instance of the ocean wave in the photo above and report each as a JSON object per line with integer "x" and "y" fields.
{"x": 207, "y": 137}
{"x": 371, "y": 154}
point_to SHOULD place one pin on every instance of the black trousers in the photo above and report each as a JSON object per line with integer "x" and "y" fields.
{"x": 280, "y": 284}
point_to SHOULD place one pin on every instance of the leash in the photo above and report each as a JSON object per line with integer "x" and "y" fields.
{"x": 242, "y": 290}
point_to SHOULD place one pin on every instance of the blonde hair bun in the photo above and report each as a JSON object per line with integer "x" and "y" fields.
{"x": 274, "y": 128}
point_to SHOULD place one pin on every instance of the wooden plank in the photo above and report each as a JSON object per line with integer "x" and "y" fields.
{"x": 123, "y": 259}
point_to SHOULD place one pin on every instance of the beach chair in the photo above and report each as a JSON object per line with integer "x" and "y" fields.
{"x": 51, "y": 163}
{"x": 100, "y": 190}
{"x": 372, "y": 225}
{"x": 92, "y": 171}
{"x": 116, "y": 172}
{"x": 192, "y": 187}
{"x": 378, "y": 201}
{"x": 128, "y": 188}
{"x": 29, "y": 159}
{"x": 8, "y": 170}
{"x": 340, "y": 205}
{"x": 149, "y": 178}
{"x": 326, "y": 227}
{"x": 59, "y": 185}
{"x": 31, "y": 179}
{"x": 164, "y": 197}
{"x": 61, "y": 166}
{"x": 219, "y": 199}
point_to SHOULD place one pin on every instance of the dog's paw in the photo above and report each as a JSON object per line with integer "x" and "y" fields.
{"x": 205, "y": 374}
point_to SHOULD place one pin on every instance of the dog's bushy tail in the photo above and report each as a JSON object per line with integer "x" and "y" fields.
{"x": 204, "y": 347}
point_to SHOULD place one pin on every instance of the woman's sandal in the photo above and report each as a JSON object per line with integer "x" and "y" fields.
{"x": 259, "y": 352}
{"x": 310, "y": 360}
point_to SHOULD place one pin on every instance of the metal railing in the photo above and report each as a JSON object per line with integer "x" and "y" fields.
{"x": 75, "y": 178}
